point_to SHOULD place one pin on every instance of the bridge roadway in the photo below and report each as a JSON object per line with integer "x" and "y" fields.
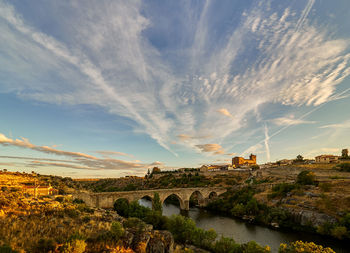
{"x": 107, "y": 199}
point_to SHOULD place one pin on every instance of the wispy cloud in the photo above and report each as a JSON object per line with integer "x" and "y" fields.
{"x": 79, "y": 160}
{"x": 106, "y": 59}
{"x": 284, "y": 121}
{"x": 112, "y": 153}
{"x": 343, "y": 125}
{"x": 322, "y": 151}
{"x": 24, "y": 143}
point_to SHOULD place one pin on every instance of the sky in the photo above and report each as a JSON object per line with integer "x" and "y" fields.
{"x": 112, "y": 88}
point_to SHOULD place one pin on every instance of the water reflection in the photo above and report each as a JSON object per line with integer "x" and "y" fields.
{"x": 243, "y": 232}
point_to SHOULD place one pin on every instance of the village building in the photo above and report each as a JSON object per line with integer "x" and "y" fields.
{"x": 240, "y": 161}
{"x": 38, "y": 190}
{"x": 326, "y": 159}
{"x": 206, "y": 168}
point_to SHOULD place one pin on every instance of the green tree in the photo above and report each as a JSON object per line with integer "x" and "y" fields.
{"x": 121, "y": 206}
{"x": 156, "y": 203}
{"x": 299, "y": 159}
{"x": 306, "y": 178}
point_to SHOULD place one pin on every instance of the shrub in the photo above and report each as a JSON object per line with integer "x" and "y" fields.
{"x": 325, "y": 228}
{"x": 326, "y": 187}
{"x": 77, "y": 201}
{"x": 121, "y": 206}
{"x": 182, "y": 228}
{"x": 157, "y": 220}
{"x": 281, "y": 190}
{"x": 255, "y": 167}
{"x": 225, "y": 245}
{"x": 339, "y": 232}
{"x": 203, "y": 238}
{"x": 343, "y": 167}
{"x": 253, "y": 247}
{"x": 238, "y": 210}
{"x": 7, "y": 249}
{"x": 306, "y": 247}
{"x": 156, "y": 204}
{"x": 44, "y": 245}
{"x": 135, "y": 224}
{"x": 117, "y": 230}
{"x": 306, "y": 178}
{"x": 74, "y": 246}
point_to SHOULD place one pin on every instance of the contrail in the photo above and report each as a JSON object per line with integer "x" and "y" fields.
{"x": 335, "y": 97}
{"x": 267, "y": 147}
{"x": 304, "y": 14}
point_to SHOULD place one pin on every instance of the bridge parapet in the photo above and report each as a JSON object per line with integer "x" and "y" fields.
{"x": 107, "y": 199}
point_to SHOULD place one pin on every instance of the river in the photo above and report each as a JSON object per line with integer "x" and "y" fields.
{"x": 243, "y": 232}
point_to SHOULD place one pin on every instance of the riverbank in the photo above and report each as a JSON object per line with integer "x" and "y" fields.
{"x": 242, "y": 231}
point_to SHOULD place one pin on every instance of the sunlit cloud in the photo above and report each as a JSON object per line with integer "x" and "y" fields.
{"x": 214, "y": 148}
{"x": 112, "y": 153}
{"x": 225, "y": 112}
{"x": 80, "y": 160}
{"x": 284, "y": 121}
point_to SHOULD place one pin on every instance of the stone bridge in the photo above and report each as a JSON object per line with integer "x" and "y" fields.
{"x": 107, "y": 199}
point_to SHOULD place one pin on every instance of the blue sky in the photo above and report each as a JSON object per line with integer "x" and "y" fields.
{"x": 111, "y": 88}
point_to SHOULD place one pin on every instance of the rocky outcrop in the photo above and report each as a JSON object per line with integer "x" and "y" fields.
{"x": 311, "y": 218}
{"x": 160, "y": 242}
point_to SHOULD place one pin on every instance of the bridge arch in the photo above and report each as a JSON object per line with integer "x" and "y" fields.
{"x": 197, "y": 198}
{"x": 146, "y": 197}
{"x": 179, "y": 198}
{"x": 212, "y": 195}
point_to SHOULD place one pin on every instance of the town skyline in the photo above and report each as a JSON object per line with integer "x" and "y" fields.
{"x": 109, "y": 89}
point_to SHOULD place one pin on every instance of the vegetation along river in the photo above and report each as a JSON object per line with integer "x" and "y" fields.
{"x": 243, "y": 232}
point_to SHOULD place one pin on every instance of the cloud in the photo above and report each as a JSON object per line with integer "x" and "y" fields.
{"x": 214, "y": 148}
{"x": 157, "y": 164}
{"x": 284, "y": 121}
{"x": 24, "y": 143}
{"x": 322, "y": 151}
{"x": 112, "y": 153}
{"x": 231, "y": 154}
{"x": 269, "y": 57}
{"x": 185, "y": 137}
{"x": 343, "y": 125}
{"x": 225, "y": 112}
{"x": 80, "y": 160}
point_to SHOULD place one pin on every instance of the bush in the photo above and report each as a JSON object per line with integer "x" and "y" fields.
{"x": 306, "y": 247}
{"x": 156, "y": 219}
{"x": 135, "y": 224}
{"x": 7, "y": 249}
{"x": 238, "y": 210}
{"x": 306, "y": 178}
{"x": 325, "y": 228}
{"x": 156, "y": 204}
{"x": 253, "y": 247}
{"x": 281, "y": 190}
{"x": 339, "y": 232}
{"x": 326, "y": 187}
{"x": 225, "y": 245}
{"x": 44, "y": 245}
{"x": 117, "y": 230}
{"x": 74, "y": 246}
{"x": 343, "y": 167}
{"x": 182, "y": 228}
{"x": 121, "y": 206}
